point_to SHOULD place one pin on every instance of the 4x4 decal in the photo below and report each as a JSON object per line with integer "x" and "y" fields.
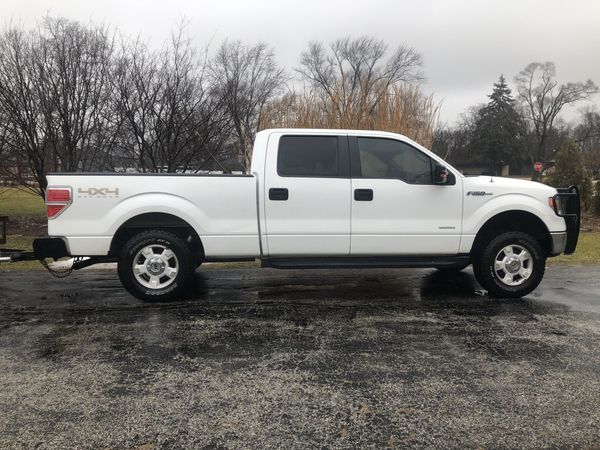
{"x": 98, "y": 192}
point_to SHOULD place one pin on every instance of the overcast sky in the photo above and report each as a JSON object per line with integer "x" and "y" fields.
{"x": 466, "y": 44}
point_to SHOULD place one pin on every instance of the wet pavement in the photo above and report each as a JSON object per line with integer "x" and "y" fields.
{"x": 294, "y": 359}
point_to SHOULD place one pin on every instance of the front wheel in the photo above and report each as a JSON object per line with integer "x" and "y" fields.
{"x": 511, "y": 265}
{"x": 155, "y": 265}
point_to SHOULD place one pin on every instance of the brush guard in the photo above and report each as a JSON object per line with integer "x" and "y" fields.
{"x": 572, "y": 215}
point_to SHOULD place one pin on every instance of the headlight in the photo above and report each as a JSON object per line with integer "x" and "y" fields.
{"x": 558, "y": 204}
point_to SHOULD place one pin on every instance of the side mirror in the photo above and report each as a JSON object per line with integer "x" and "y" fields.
{"x": 441, "y": 175}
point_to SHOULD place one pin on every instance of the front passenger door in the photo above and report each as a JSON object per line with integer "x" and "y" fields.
{"x": 396, "y": 207}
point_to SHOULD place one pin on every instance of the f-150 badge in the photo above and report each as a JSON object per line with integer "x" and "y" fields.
{"x": 98, "y": 192}
{"x": 478, "y": 193}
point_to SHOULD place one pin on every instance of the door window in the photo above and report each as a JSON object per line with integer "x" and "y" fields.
{"x": 308, "y": 156}
{"x": 388, "y": 158}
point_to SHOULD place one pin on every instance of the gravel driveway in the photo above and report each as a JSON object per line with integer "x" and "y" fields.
{"x": 265, "y": 358}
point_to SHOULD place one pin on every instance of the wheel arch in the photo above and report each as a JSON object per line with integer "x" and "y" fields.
{"x": 513, "y": 220}
{"x": 157, "y": 221}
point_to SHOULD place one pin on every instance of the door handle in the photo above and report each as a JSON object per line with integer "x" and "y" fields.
{"x": 363, "y": 195}
{"x": 280, "y": 194}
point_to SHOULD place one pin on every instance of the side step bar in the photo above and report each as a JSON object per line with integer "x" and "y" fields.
{"x": 375, "y": 262}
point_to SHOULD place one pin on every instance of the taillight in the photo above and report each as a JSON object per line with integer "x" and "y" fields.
{"x": 57, "y": 200}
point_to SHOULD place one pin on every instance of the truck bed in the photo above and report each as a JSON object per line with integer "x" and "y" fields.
{"x": 221, "y": 208}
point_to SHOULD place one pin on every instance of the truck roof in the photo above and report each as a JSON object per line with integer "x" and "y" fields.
{"x": 332, "y": 131}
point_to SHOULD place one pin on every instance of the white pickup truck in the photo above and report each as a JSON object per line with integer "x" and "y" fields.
{"x": 315, "y": 199}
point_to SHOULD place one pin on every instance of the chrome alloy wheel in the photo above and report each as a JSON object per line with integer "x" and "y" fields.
{"x": 513, "y": 265}
{"x": 155, "y": 266}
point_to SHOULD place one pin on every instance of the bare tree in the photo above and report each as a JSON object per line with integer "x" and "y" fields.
{"x": 24, "y": 145}
{"x": 247, "y": 78}
{"x": 451, "y": 143}
{"x": 455, "y": 144}
{"x": 55, "y": 100}
{"x": 587, "y": 136}
{"x": 543, "y": 99}
{"x": 172, "y": 121}
{"x": 74, "y": 67}
{"x": 403, "y": 109}
{"x": 353, "y": 76}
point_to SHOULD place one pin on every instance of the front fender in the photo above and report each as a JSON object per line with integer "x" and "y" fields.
{"x": 477, "y": 215}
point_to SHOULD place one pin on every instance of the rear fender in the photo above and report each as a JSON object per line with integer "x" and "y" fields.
{"x": 157, "y": 203}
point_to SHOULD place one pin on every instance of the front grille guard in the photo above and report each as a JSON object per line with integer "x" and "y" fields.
{"x": 572, "y": 215}
{"x": 571, "y": 198}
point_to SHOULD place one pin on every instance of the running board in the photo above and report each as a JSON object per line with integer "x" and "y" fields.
{"x": 374, "y": 262}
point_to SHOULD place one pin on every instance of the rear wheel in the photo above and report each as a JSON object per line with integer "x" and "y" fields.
{"x": 155, "y": 265}
{"x": 511, "y": 265}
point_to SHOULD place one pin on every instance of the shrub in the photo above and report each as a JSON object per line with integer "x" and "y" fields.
{"x": 571, "y": 170}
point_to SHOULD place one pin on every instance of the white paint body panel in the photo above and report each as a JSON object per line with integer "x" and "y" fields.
{"x": 235, "y": 219}
{"x": 406, "y": 219}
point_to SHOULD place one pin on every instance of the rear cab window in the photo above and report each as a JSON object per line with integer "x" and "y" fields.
{"x": 308, "y": 156}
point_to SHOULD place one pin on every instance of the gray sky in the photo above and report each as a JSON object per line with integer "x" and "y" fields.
{"x": 466, "y": 44}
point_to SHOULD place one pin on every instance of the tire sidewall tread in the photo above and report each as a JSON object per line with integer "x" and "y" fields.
{"x": 483, "y": 266}
{"x": 160, "y": 237}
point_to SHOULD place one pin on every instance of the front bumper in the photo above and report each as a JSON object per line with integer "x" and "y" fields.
{"x": 572, "y": 216}
{"x": 559, "y": 243}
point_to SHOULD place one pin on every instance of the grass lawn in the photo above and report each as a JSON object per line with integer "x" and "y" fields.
{"x": 17, "y": 203}
{"x": 19, "y": 242}
{"x": 587, "y": 252}
{"x": 23, "y": 208}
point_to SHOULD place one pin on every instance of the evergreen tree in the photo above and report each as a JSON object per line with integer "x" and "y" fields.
{"x": 498, "y": 135}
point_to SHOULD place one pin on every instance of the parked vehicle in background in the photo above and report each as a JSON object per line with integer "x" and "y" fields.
{"x": 314, "y": 198}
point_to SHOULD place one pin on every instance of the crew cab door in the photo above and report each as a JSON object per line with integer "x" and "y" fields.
{"x": 396, "y": 207}
{"x": 307, "y": 195}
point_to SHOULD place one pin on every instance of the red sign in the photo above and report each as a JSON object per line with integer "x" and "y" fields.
{"x": 538, "y": 166}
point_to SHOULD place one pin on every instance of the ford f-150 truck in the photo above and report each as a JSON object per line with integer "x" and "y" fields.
{"x": 314, "y": 199}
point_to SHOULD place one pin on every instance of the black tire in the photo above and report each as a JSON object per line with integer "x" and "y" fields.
{"x": 490, "y": 278}
{"x": 159, "y": 241}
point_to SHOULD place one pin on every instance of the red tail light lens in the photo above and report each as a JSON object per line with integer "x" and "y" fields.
{"x": 54, "y": 210}
{"x": 62, "y": 195}
{"x": 57, "y": 200}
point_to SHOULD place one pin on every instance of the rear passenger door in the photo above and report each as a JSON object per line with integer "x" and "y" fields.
{"x": 307, "y": 195}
